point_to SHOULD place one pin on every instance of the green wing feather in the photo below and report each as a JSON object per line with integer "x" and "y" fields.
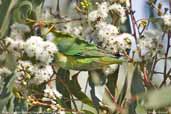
{"x": 85, "y": 63}
{"x": 71, "y": 45}
{"x": 77, "y": 54}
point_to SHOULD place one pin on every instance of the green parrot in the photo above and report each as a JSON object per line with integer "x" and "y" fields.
{"x": 77, "y": 54}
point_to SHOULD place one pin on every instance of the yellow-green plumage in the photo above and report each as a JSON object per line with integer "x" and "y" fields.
{"x": 77, "y": 54}
{"x": 84, "y": 63}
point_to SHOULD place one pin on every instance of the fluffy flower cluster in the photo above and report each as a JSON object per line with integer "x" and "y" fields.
{"x": 14, "y": 46}
{"x": 119, "y": 10}
{"x": 43, "y": 51}
{"x": 103, "y": 10}
{"x": 70, "y": 28}
{"x": 24, "y": 66}
{"x": 150, "y": 42}
{"x": 50, "y": 94}
{"x": 167, "y": 22}
{"x": 119, "y": 43}
{"x": 35, "y": 66}
{"x": 42, "y": 73}
{"x": 37, "y": 74}
{"x": 105, "y": 31}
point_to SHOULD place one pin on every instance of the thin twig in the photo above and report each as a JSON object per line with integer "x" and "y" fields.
{"x": 165, "y": 60}
{"x": 133, "y": 21}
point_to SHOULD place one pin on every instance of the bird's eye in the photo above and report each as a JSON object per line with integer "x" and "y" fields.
{"x": 37, "y": 31}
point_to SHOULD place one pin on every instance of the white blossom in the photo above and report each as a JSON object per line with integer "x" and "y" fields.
{"x": 77, "y": 30}
{"x": 103, "y": 9}
{"x": 92, "y": 16}
{"x": 43, "y": 50}
{"x": 167, "y": 21}
{"x": 119, "y": 10}
{"x": 51, "y": 93}
{"x": 42, "y": 73}
{"x": 24, "y": 66}
{"x": 119, "y": 43}
{"x": 14, "y": 46}
{"x": 101, "y": 12}
{"x": 37, "y": 73}
{"x": 73, "y": 29}
{"x": 150, "y": 42}
{"x": 106, "y": 30}
{"x": 49, "y": 99}
{"x": 24, "y": 69}
{"x": 145, "y": 45}
{"x": 33, "y": 44}
{"x": 45, "y": 54}
{"x": 50, "y": 47}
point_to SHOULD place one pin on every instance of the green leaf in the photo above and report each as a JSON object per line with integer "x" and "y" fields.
{"x": 20, "y": 105}
{"x": 37, "y": 2}
{"x": 3, "y": 8}
{"x": 75, "y": 89}
{"x": 61, "y": 84}
{"x": 137, "y": 85}
{"x": 16, "y": 11}
{"x": 67, "y": 87}
{"x": 6, "y": 93}
{"x": 87, "y": 112}
{"x": 112, "y": 80}
{"x": 123, "y": 93}
{"x": 22, "y": 11}
{"x": 5, "y": 16}
{"x": 10, "y": 106}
